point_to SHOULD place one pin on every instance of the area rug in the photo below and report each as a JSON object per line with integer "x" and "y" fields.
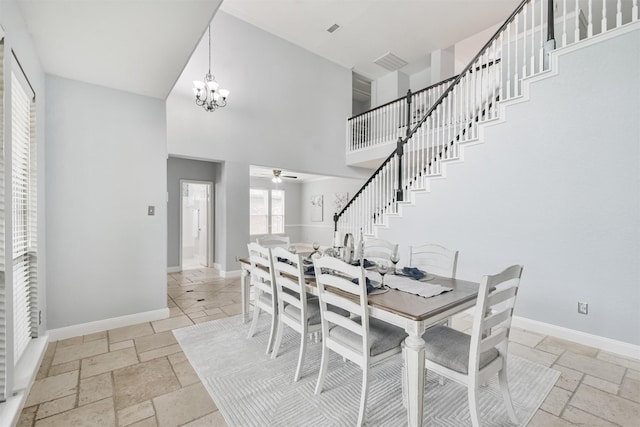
{"x": 251, "y": 389}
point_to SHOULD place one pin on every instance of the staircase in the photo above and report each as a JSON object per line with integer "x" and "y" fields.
{"x": 519, "y": 50}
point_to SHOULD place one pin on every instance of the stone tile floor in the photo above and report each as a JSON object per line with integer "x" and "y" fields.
{"x": 138, "y": 376}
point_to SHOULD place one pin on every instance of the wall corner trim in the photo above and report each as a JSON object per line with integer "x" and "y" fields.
{"x": 174, "y": 269}
{"x": 106, "y": 324}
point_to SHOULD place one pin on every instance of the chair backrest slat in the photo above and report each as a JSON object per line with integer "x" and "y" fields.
{"x": 496, "y": 319}
{"x": 435, "y": 259}
{"x": 261, "y": 271}
{"x": 493, "y": 340}
{"x": 493, "y": 313}
{"x": 345, "y": 322}
{"x": 334, "y": 273}
{"x": 289, "y": 274}
{"x": 379, "y": 249}
{"x": 501, "y": 295}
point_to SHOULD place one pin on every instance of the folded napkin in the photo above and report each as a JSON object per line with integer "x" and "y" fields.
{"x": 367, "y": 263}
{"x": 370, "y": 287}
{"x": 413, "y": 272}
{"x": 407, "y": 284}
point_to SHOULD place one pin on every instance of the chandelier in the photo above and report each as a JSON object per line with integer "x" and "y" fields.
{"x": 208, "y": 93}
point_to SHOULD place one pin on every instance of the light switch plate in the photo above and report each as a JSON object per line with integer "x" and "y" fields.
{"x": 151, "y": 210}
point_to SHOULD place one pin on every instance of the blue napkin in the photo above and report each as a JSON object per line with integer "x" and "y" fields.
{"x": 367, "y": 263}
{"x": 413, "y": 272}
{"x": 370, "y": 287}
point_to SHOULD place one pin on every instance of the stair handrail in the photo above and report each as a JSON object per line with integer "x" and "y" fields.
{"x": 402, "y": 97}
{"x": 455, "y": 80}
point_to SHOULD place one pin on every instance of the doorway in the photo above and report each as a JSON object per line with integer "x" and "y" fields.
{"x": 196, "y": 235}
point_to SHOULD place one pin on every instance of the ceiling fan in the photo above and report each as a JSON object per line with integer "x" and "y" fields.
{"x": 277, "y": 176}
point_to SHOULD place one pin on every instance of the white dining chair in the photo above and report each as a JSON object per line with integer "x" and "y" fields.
{"x": 274, "y": 241}
{"x": 379, "y": 250}
{"x": 263, "y": 282}
{"x": 356, "y": 337}
{"x": 296, "y": 309}
{"x": 473, "y": 359}
{"x": 435, "y": 259}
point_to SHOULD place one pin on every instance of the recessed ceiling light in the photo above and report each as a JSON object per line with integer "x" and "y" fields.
{"x": 332, "y": 28}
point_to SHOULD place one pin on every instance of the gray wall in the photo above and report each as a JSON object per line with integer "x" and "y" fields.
{"x": 178, "y": 169}
{"x": 557, "y": 189}
{"x": 106, "y": 162}
{"x": 322, "y": 232}
{"x": 268, "y": 122}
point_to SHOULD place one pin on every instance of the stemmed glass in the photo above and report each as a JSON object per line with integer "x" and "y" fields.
{"x": 383, "y": 268}
{"x": 395, "y": 258}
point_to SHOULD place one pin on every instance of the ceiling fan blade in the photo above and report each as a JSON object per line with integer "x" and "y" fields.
{"x": 289, "y": 176}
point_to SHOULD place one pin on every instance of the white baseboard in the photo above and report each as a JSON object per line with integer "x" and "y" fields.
{"x": 174, "y": 269}
{"x": 602, "y": 343}
{"x": 106, "y": 324}
{"x": 230, "y": 274}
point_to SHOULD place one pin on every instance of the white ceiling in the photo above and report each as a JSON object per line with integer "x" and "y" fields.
{"x": 139, "y": 46}
{"x": 370, "y": 28}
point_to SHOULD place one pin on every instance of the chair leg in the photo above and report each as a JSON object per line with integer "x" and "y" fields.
{"x": 272, "y": 333}
{"x": 472, "y": 392}
{"x": 363, "y": 395}
{"x": 276, "y": 345}
{"x": 506, "y": 394}
{"x": 323, "y": 368}
{"x": 303, "y": 348}
{"x": 254, "y": 322}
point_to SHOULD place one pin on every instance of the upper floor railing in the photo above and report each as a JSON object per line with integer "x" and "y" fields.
{"x": 384, "y": 124}
{"x": 518, "y": 50}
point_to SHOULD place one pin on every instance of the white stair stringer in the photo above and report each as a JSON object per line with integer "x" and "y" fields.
{"x": 410, "y": 195}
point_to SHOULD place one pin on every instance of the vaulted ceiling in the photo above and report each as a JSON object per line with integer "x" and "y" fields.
{"x": 141, "y": 46}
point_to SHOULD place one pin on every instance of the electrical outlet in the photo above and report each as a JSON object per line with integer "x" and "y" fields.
{"x": 151, "y": 210}
{"x": 583, "y": 308}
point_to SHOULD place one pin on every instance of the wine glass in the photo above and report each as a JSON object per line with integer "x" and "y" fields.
{"x": 383, "y": 268}
{"x": 292, "y": 249}
{"x": 394, "y": 259}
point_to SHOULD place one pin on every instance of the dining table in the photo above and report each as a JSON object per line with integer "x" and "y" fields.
{"x": 409, "y": 311}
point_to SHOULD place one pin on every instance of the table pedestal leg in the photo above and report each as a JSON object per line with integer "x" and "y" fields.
{"x": 244, "y": 291}
{"x": 414, "y": 368}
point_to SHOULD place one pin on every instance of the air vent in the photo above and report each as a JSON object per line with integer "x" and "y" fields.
{"x": 332, "y": 28}
{"x": 390, "y": 61}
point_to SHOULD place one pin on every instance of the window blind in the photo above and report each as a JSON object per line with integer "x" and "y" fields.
{"x": 3, "y": 293}
{"x": 23, "y": 216}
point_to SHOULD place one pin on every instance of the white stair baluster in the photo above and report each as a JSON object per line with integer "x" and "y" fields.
{"x": 542, "y": 36}
{"x": 604, "y": 17}
{"x": 533, "y": 38}
{"x": 589, "y": 20}
{"x": 576, "y": 28}
{"x": 515, "y": 57}
{"x": 508, "y": 67}
{"x": 564, "y": 22}
{"x": 619, "y": 14}
{"x": 634, "y": 11}
{"x": 524, "y": 42}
